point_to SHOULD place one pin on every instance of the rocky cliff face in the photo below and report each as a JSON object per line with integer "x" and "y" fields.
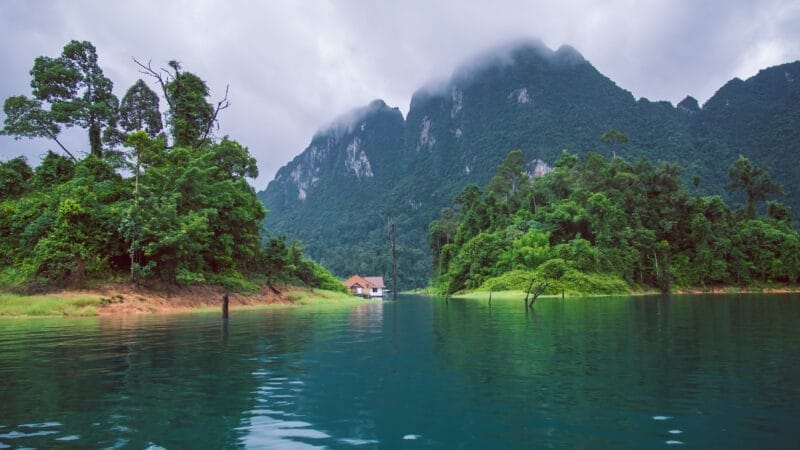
{"x": 371, "y": 164}
{"x": 354, "y": 151}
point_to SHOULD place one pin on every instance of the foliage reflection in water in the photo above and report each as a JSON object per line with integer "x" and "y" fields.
{"x": 641, "y": 372}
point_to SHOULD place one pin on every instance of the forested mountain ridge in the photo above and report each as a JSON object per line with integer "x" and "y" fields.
{"x": 526, "y": 97}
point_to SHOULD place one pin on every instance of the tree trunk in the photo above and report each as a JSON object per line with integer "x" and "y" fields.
{"x": 394, "y": 261}
{"x": 94, "y": 140}
{"x": 77, "y": 276}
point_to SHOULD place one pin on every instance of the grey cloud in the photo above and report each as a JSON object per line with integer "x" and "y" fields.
{"x": 294, "y": 67}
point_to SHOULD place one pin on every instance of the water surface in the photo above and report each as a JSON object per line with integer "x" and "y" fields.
{"x": 617, "y": 372}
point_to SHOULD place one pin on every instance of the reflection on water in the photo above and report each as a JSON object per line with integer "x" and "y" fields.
{"x": 705, "y": 372}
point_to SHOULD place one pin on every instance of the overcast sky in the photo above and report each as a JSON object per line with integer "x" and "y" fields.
{"x": 293, "y": 66}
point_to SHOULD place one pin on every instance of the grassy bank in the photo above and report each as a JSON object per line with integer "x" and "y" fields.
{"x": 50, "y": 305}
{"x": 520, "y": 294}
{"x": 300, "y": 298}
{"x": 123, "y": 299}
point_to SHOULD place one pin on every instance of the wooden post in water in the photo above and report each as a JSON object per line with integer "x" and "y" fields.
{"x": 490, "y": 296}
{"x": 225, "y": 306}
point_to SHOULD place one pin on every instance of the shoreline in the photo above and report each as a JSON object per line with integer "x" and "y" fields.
{"x": 726, "y": 290}
{"x": 127, "y": 299}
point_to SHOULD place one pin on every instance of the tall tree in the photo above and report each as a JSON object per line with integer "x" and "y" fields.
{"x": 139, "y": 110}
{"x": 190, "y": 115}
{"x": 754, "y": 181}
{"x": 510, "y": 176}
{"x": 191, "y": 118}
{"x": 612, "y": 138}
{"x": 77, "y": 90}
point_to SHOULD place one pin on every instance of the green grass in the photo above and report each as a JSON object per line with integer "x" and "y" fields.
{"x": 86, "y": 305}
{"x": 314, "y": 298}
{"x": 572, "y": 282}
{"x": 318, "y": 297}
{"x": 496, "y": 295}
{"x": 48, "y": 305}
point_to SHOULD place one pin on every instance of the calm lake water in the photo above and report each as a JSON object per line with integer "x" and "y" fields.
{"x": 646, "y": 372}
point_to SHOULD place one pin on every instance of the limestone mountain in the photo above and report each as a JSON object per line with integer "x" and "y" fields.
{"x": 373, "y": 164}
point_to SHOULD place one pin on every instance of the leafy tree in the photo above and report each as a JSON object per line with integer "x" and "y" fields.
{"x": 139, "y": 110}
{"x": 77, "y": 90}
{"x": 198, "y": 213}
{"x": 53, "y": 170}
{"x": 190, "y": 114}
{"x": 190, "y": 117}
{"x": 186, "y": 215}
{"x": 441, "y": 232}
{"x": 79, "y": 239}
{"x": 607, "y": 222}
{"x": 612, "y": 138}
{"x": 15, "y": 174}
{"x": 778, "y": 211}
{"x": 275, "y": 258}
{"x": 527, "y": 251}
{"x": 508, "y": 182}
{"x": 754, "y": 181}
{"x": 26, "y": 118}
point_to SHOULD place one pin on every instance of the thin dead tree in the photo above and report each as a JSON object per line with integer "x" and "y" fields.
{"x": 164, "y": 77}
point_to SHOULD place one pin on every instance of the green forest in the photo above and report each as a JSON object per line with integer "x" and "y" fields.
{"x": 601, "y": 226}
{"x": 529, "y": 98}
{"x": 147, "y": 200}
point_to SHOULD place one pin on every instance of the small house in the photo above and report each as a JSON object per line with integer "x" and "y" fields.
{"x": 367, "y": 287}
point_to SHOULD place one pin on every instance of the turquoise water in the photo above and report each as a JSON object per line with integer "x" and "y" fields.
{"x": 645, "y": 372}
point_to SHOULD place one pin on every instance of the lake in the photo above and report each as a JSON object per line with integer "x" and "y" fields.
{"x": 705, "y": 372}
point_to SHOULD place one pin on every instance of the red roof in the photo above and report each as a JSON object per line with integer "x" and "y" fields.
{"x": 375, "y": 282}
{"x": 365, "y": 282}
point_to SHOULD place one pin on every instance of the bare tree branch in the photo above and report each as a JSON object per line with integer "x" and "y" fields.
{"x": 165, "y": 77}
{"x": 162, "y": 81}
{"x": 55, "y": 138}
{"x": 222, "y": 104}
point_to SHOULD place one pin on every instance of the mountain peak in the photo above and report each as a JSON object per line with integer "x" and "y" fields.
{"x": 520, "y": 53}
{"x": 505, "y": 54}
{"x": 347, "y": 122}
{"x": 689, "y": 105}
{"x": 568, "y": 54}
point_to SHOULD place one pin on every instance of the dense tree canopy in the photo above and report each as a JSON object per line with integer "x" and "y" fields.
{"x": 754, "y": 181}
{"x": 139, "y": 110}
{"x": 185, "y": 214}
{"x": 600, "y": 226}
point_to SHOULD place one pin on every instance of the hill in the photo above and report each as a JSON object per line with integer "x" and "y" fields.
{"x": 372, "y": 164}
